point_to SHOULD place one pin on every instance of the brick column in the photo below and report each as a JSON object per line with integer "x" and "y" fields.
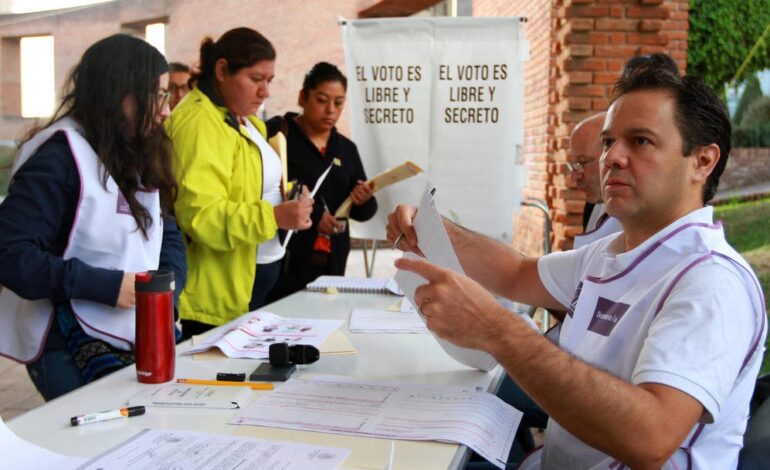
{"x": 593, "y": 39}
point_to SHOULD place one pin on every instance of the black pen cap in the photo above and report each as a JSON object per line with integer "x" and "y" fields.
{"x": 135, "y": 411}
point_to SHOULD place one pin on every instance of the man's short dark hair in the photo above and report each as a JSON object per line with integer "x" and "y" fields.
{"x": 657, "y": 60}
{"x": 178, "y": 67}
{"x": 700, "y": 115}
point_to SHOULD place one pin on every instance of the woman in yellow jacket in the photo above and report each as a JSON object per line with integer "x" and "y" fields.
{"x": 229, "y": 199}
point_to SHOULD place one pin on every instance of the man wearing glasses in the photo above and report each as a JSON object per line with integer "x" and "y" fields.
{"x": 583, "y": 166}
{"x": 178, "y": 82}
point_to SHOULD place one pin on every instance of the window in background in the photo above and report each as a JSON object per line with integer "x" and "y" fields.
{"x": 38, "y": 89}
{"x": 155, "y": 34}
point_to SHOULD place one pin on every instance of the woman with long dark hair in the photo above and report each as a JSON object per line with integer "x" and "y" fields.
{"x": 83, "y": 214}
{"x": 313, "y": 144}
{"x": 230, "y": 198}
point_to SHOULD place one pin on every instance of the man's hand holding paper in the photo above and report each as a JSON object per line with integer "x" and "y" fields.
{"x": 443, "y": 274}
{"x": 455, "y": 307}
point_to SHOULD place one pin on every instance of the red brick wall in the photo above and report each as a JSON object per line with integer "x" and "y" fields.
{"x": 746, "y": 167}
{"x": 593, "y": 40}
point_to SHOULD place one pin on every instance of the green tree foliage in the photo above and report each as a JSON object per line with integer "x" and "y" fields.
{"x": 722, "y": 32}
{"x": 754, "y": 127}
{"x": 758, "y": 113}
{"x": 751, "y": 93}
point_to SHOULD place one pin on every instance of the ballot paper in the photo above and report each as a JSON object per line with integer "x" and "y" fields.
{"x": 317, "y": 186}
{"x": 18, "y": 453}
{"x": 167, "y": 449}
{"x": 337, "y": 405}
{"x": 180, "y": 395}
{"x": 250, "y": 335}
{"x": 435, "y": 245}
{"x": 365, "y": 320}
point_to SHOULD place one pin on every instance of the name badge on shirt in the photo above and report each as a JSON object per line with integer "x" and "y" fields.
{"x": 123, "y": 207}
{"x": 606, "y": 315}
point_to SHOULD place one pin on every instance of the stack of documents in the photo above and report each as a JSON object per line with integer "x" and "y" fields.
{"x": 354, "y": 285}
{"x": 339, "y": 405}
{"x": 364, "y": 320}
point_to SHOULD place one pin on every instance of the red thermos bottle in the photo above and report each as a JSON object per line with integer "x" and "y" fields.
{"x": 155, "y": 326}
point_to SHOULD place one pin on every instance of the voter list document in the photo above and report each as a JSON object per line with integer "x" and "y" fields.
{"x": 338, "y": 405}
{"x": 166, "y": 449}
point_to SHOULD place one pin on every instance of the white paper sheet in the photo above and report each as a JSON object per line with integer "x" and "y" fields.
{"x": 18, "y": 453}
{"x": 317, "y": 186}
{"x": 435, "y": 245}
{"x": 250, "y": 335}
{"x": 479, "y": 420}
{"x": 365, "y": 320}
{"x": 166, "y": 449}
{"x": 191, "y": 396}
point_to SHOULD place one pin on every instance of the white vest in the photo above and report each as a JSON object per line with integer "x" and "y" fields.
{"x": 600, "y": 225}
{"x": 105, "y": 235}
{"x": 619, "y": 310}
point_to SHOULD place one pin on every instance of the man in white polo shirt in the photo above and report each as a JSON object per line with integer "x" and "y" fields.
{"x": 665, "y": 327}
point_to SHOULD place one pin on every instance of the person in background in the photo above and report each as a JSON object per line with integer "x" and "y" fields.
{"x": 83, "y": 214}
{"x": 178, "y": 82}
{"x": 230, "y": 199}
{"x": 313, "y": 144}
{"x": 583, "y": 165}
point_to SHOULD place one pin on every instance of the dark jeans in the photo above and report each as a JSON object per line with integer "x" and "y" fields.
{"x": 264, "y": 281}
{"x": 55, "y": 372}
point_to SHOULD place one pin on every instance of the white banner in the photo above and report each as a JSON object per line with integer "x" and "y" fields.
{"x": 447, "y": 94}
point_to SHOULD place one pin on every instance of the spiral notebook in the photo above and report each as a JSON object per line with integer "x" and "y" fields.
{"x": 372, "y": 285}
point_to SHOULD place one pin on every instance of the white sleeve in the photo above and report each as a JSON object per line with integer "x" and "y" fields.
{"x": 700, "y": 338}
{"x": 561, "y": 272}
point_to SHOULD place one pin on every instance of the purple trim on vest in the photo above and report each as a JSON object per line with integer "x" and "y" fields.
{"x": 602, "y": 219}
{"x": 755, "y": 343}
{"x": 40, "y": 349}
{"x": 676, "y": 280}
{"x": 80, "y": 319}
{"x": 532, "y": 452}
{"x": 763, "y": 317}
{"x": 651, "y": 249}
{"x": 80, "y": 196}
{"x": 688, "y": 450}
